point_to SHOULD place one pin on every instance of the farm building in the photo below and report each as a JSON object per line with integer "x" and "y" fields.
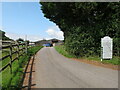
{"x": 54, "y": 42}
{"x": 41, "y": 42}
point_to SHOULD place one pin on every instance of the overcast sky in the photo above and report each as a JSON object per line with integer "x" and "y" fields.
{"x": 26, "y": 18}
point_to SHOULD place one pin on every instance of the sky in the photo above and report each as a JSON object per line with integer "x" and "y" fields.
{"x": 25, "y": 19}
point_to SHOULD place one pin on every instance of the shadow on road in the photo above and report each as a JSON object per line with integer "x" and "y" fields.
{"x": 28, "y": 80}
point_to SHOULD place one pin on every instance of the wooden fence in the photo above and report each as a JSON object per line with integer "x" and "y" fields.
{"x": 19, "y": 49}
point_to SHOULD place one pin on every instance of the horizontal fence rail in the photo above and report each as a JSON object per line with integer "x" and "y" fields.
{"x": 19, "y": 49}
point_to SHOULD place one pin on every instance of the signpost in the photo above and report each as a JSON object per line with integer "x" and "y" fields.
{"x": 106, "y": 48}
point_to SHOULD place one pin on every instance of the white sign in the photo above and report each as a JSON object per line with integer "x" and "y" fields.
{"x": 107, "y": 47}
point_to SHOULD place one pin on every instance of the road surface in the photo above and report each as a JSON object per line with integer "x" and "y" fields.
{"x": 52, "y": 70}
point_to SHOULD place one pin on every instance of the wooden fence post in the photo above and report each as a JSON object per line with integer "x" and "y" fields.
{"x": 22, "y": 48}
{"x": 26, "y": 47}
{"x": 24, "y": 51}
{"x": 11, "y": 57}
{"x": 18, "y": 51}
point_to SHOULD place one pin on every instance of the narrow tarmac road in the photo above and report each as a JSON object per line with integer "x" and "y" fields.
{"x": 56, "y": 71}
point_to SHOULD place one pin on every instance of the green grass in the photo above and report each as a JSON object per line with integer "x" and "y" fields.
{"x": 61, "y": 50}
{"x": 12, "y": 81}
{"x": 115, "y": 60}
{"x": 7, "y": 60}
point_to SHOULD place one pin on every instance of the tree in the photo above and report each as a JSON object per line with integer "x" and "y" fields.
{"x": 3, "y": 37}
{"x": 84, "y": 24}
{"x": 20, "y": 40}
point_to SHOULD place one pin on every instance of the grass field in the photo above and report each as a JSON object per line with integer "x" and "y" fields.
{"x": 12, "y": 81}
{"x": 115, "y": 60}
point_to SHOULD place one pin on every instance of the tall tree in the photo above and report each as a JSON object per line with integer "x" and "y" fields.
{"x": 3, "y": 37}
{"x": 84, "y": 24}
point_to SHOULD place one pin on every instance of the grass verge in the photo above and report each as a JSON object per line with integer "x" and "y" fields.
{"x": 61, "y": 50}
{"x": 115, "y": 60}
{"x": 13, "y": 81}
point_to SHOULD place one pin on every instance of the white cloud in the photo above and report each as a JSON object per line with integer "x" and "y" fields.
{"x": 54, "y": 32}
{"x": 15, "y": 36}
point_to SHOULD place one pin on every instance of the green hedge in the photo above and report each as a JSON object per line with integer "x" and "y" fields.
{"x": 62, "y": 50}
{"x": 84, "y": 24}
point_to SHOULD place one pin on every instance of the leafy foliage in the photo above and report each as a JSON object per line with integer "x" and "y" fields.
{"x": 20, "y": 40}
{"x": 115, "y": 60}
{"x": 2, "y": 36}
{"x": 84, "y": 24}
